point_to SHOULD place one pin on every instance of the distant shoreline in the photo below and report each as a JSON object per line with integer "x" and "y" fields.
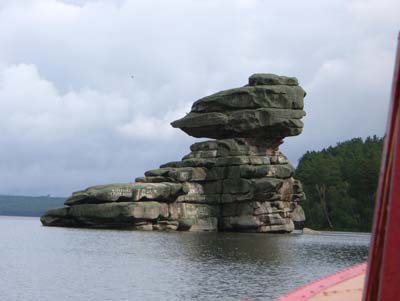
{"x": 16, "y": 215}
{"x": 33, "y": 206}
{"x": 323, "y": 232}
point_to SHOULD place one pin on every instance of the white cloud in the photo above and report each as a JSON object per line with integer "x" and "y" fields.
{"x": 71, "y": 115}
{"x": 47, "y": 135}
{"x": 151, "y": 128}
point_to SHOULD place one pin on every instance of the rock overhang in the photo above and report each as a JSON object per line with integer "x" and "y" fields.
{"x": 270, "y": 106}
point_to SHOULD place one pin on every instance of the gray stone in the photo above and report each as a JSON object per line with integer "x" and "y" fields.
{"x": 276, "y": 219}
{"x": 184, "y": 210}
{"x": 271, "y": 79}
{"x": 260, "y": 223}
{"x": 188, "y": 174}
{"x": 298, "y": 214}
{"x": 209, "y": 145}
{"x": 199, "y": 198}
{"x": 101, "y": 194}
{"x": 250, "y": 208}
{"x": 204, "y": 154}
{"x": 212, "y": 187}
{"x": 259, "y": 160}
{"x": 166, "y": 225}
{"x": 56, "y": 217}
{"x": 195, "y": 162}
{"x": 156, "y": 191}
{"x": 171, "y": 174}
{"x": 270, "y": 108}
{"x": 270, "y": 171}
{"x": 234, "y": 198}
{"x": 310, "y": 231}
{"x": 205, "y": 224}
{"x": 252, "y": 97}
{"x": 285, "y": 228}
{"x": 144, "y": 227}
{"x": 297, "y": 186}
{"x": 192, "y": 188}
{"x": 120, "y": 210}
{"x": 216, "y": 173}
{"x": 156, "y": 179}
{"x": 286, "y": 190}
{"x": 266, "y": 185}
{"x": 237, "y": 209}
{"x": 299, "y": 197}
{"x": 106, "y": 215}
{"x": 58, "y": 212}
{"x": 160, "y": 172}
{"x": 237, "y": 147}
{"x": 195, "y": 217}
{"x": 242, "y": 222}
{"x": 234, "y": 186}
{"x": 278, "y": 158}
{"x": 267, "y": 123}
{"x": 235, "y": 160}
{"x": 185, "y": 224}
{"x": 242, "y": 160}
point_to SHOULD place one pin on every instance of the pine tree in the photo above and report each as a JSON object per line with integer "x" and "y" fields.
{"x": 340, "y": 183}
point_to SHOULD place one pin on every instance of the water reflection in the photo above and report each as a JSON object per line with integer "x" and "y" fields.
{"x": 64, "y": 264}
{"x": 262, "y": 267}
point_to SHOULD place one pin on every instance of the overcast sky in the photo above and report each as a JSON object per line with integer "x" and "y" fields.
{"x": 71, "y": 115}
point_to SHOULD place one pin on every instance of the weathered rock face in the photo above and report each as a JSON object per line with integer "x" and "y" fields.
{"x": 239, "y": 182}
{"x": 270, "y": 107}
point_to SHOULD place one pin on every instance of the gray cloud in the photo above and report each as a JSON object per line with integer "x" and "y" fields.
{"x": 71, "y": 115}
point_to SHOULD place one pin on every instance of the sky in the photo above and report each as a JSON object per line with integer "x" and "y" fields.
{"x": 72, "y": 116}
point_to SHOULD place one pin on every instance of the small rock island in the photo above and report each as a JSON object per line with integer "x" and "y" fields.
{"x": 239, "y": 181}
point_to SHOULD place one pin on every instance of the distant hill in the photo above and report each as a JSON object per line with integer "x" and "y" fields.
{"x": 28, "y": 205}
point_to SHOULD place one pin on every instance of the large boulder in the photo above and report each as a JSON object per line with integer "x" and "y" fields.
{"x": 101, "y": 194}
{"x": 252, "y": 97}
{"x": 298, "y": 214}
{"x": 258, "y": 79}
{"x": 125, "y": 192}
{"x": 267, "y": 123}
{"x": 269, "y": 107}
{"x": 156, "y": 191}
{"x": 195, "y": 217}
{"x": 117, "y": 214}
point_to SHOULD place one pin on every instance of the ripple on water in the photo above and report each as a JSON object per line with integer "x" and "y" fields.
{"x": 39, "y": 263}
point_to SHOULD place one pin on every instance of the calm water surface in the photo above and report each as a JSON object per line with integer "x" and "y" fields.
{"x": 40, "y": 263}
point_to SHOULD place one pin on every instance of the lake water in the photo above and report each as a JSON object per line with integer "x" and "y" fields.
{"x": 42, "y": 263}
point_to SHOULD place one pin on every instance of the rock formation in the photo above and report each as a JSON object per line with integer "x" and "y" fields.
{"x": 238, "y": 182}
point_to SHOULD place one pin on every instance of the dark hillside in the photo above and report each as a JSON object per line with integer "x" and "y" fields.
{"x": 28, "y": 205}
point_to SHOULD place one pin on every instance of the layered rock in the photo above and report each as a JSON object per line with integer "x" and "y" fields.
{"x": 238, "y": 182}
{"x": 269, "y": 108}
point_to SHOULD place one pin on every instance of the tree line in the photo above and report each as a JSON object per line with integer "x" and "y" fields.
{"x": 340, "y": 184}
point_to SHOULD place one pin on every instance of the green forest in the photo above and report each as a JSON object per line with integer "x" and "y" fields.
{"x": 340, "y": 184}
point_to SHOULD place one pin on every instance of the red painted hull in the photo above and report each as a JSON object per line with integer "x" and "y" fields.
{"x": 338, "y": 286}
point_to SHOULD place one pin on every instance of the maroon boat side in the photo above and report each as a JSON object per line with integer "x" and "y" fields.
{"x": 383, "y": 271}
